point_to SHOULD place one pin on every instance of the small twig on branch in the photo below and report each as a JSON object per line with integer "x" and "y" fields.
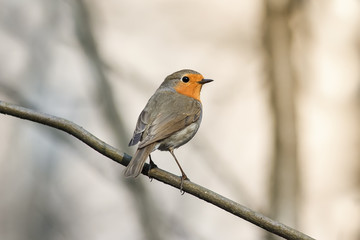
{"x": 158, "y": 174}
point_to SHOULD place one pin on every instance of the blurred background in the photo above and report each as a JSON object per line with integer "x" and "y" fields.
{"x": 280, "y": 131}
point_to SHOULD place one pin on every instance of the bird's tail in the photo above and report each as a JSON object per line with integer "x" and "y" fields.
{"x": 138, "y": 160}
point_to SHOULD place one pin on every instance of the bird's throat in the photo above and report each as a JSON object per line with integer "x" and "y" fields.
{"x": 192, "y": 90}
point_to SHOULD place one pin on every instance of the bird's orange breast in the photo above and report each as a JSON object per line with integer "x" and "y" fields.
{"x": 192, "y": 88}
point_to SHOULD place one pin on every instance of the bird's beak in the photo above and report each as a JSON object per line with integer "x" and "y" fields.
{"x": 205, "y": 81}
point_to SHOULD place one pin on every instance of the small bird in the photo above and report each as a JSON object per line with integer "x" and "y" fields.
{"x": 170, "y": 119}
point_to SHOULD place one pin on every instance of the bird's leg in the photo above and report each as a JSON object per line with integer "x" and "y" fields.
{"x": 152, "y": 165}
{"x": 183, "y": 175}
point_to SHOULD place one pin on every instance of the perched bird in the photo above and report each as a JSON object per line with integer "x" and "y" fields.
{"x": 170, "y": 119}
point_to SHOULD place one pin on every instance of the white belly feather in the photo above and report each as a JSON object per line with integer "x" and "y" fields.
{"x": 179, "y": 138}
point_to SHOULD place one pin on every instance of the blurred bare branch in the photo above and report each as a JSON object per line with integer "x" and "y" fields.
{"x": 147, "y": 209}
{"x": 284, "y": 176}
{"x": 158, "y": 174}
{"x": 88, "y": 44}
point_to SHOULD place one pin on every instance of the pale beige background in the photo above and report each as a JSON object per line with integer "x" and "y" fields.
{"x": 54, "y": 187}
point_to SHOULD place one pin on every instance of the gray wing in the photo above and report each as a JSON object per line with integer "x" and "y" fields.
{"x": 176, "y": 113}
{"x": 140, "y": 127}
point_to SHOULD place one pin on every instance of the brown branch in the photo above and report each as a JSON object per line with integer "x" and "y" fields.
{"x": 158, "y": 174}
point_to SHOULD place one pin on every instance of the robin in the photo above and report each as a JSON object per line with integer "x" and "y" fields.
{"x": 170, "y": 119}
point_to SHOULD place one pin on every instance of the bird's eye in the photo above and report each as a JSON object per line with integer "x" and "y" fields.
{"x": 185, "y": 79}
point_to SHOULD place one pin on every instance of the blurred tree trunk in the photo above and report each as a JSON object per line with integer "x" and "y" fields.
{"x": 145, "y": 206}
{"x": 330, "y": 117}
{"x": 284, "y": 173}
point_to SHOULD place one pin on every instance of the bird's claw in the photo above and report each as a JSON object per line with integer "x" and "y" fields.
{"x": 182, "y": 178}
{"x": 152, "y": 165}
